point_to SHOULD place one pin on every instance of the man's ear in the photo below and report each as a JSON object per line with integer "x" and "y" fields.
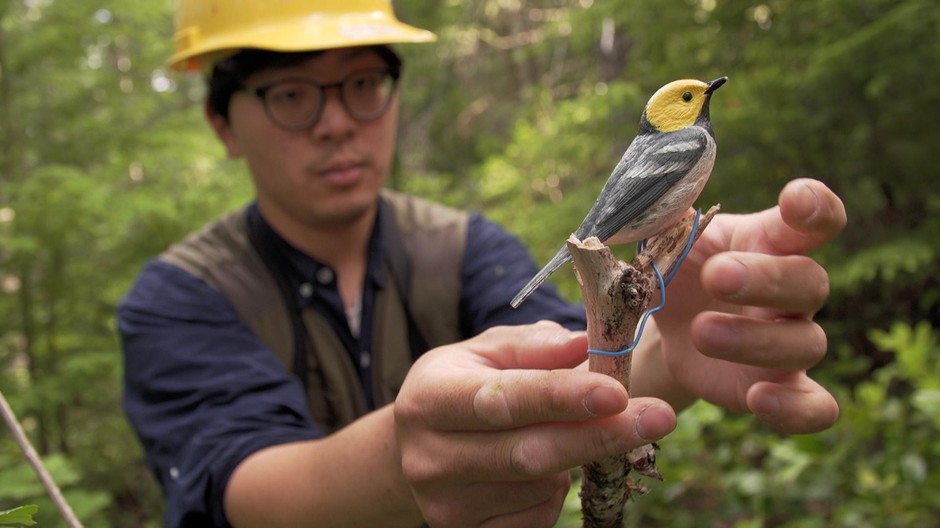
{"x": 223, "y": 131}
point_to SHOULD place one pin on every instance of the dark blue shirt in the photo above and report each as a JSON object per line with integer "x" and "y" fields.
{"x": 203, "y": 392}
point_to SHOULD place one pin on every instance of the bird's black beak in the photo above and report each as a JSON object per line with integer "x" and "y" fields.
{"x": 716, "y": 84}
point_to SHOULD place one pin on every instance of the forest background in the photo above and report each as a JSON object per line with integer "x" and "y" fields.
{"x": 520, "y": 111}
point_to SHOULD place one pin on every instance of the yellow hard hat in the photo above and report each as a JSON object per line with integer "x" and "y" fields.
{"x": 209, "y": 30}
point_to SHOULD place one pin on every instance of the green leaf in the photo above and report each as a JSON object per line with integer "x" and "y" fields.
{"x": 20, "y": 482}
{"x": 22, "y": 516}
{"x": 927, "y": 401}
{"x": 914, "y": 346}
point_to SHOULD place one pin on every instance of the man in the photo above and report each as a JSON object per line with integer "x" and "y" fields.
{"x": 269, "y": 356}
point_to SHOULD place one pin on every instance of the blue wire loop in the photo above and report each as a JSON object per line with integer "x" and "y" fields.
{"x": 640, "y": 246}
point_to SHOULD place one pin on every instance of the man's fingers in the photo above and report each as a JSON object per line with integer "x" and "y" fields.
{"x": 515, "y": 398}
{"x": 810, "y": 215}
{"x": 541, "y": 449}
{"x": 507, "y": 399}
{"x": 810, "y": 207}
{"x": 792, "y": 284}
{"x": 532, "y": 503}
{"x": 797, "y": 406}
{"x": 807, "y": 216}
{"x": 786, "y": 344}
{"x": 508, "y": 383}
{"x": 547, "y": 448}
{"x": 543, "y": 345}
{"x": 545, "y": 514}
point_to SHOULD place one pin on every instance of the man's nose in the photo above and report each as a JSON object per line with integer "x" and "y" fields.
{"x": 334, "y": 117}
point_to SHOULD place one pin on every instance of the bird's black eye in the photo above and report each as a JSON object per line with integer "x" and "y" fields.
{"x": 687, "y": 96}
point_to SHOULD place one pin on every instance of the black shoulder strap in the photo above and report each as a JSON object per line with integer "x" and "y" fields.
{"x": 398, "y": 261}
{"x": 277, "y": 264}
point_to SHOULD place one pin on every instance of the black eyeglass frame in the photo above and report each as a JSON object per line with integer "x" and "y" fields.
{"x": 261, "y": 91}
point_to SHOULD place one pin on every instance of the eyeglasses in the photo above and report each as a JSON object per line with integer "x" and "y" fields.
{"x": 296, "y": 104}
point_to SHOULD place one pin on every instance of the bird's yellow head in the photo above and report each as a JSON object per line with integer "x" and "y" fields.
{"x": 679, "y": 104}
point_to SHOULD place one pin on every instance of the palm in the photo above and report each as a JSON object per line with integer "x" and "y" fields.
{"x": 698, "y": 374}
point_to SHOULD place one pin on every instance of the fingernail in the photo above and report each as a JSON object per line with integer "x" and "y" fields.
{"x": 720, "y": 336}
{"x": 655, "y": 422}
{"x": 730, "y": 278}
{"x": 767, "y": 407}
{"x": 604, "y": 401}
{"x": 808, "y": 203}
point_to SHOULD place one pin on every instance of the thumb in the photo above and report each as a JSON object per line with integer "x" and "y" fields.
{"x": 544, "y": 345}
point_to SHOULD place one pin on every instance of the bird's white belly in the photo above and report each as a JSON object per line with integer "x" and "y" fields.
{"x": 672, "y": 206}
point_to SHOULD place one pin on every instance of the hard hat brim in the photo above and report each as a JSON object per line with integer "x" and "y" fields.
{"x": 310, "y": 33}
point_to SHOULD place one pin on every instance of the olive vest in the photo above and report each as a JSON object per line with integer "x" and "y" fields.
{"x": 425, "y": 242}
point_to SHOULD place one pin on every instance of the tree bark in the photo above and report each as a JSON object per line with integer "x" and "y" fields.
{"x": 616, "y": 295}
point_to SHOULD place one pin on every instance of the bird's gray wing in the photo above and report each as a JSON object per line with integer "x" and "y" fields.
{"x": 648, "y": 169}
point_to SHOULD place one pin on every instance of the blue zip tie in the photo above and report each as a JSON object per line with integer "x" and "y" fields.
{"x": 646, "y": 316}
{"x": 688, "y": 247}
{"x": 662, "y": 288}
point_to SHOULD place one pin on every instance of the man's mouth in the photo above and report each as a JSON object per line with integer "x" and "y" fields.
{"x": 342, "y": 174}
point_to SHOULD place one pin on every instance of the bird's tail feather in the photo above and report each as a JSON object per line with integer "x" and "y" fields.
{"x": 560, "y": 258}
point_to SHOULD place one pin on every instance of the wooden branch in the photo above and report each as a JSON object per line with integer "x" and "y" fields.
{"x": 616, "y": 295}
{"x": 44, "y": 477}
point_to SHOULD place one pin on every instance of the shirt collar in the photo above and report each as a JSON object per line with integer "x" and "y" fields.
{"x": 305, "y": 268}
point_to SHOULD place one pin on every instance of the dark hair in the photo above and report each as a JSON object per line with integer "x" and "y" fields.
{"x": 229, "y": 74}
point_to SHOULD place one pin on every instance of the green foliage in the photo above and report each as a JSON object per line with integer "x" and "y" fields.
{"x": 104, "y": 161}
{"x": 521, "y": 110}
{"x": 21, "y": 516}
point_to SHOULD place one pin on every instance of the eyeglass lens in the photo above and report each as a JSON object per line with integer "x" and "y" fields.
{"x": 297, "y": 103}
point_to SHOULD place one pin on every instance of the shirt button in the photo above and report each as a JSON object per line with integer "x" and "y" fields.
{"x": 306, "y": 290}
{"x": 324, "y": 276}
{"x": 365, "y": 359}
{"x": 174, "y": 473}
